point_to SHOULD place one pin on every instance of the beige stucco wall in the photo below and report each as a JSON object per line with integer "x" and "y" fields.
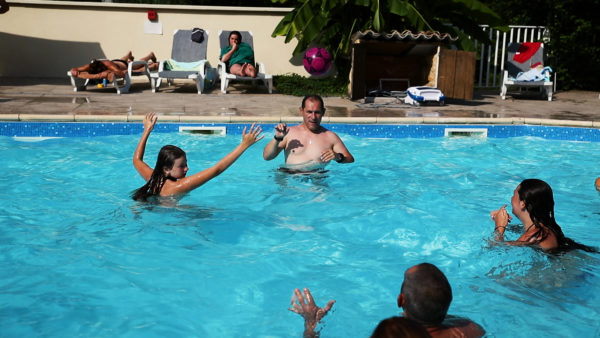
{"x": 46, "y": 38}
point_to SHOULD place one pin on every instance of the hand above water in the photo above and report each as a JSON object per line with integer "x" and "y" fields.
{"x": 251, "y": 137}
{"x": 306, "y": 307}
{"x": 150, "y": 121}
{"x": 328, "y": 155}
{"x": 281, "y": 130}
{"x": 501, "y": 218}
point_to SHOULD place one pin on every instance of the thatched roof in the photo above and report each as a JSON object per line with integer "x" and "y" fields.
{"x": 404, "y": 36}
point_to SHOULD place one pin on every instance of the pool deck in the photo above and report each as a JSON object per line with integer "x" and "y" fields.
{"x": 44, "y": 99}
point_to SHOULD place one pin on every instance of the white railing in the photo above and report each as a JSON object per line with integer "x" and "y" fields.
{"x": 492, "y": 57}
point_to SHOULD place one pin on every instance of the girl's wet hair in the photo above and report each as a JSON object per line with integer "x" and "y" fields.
{"x": 539, "y": 202}
{"x": 399, "y": 327}
{"x": 165, "y": 160}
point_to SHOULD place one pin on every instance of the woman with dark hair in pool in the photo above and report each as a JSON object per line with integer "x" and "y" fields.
{"x": 238, "y": 56}
{"x": 533, "y": 204}
{"x": 168, "y": 176}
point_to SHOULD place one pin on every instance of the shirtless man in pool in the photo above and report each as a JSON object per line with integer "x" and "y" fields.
{"x": 307, "y": 146}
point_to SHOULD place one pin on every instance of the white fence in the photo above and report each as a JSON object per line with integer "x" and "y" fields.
{"x": 492, "y": 57}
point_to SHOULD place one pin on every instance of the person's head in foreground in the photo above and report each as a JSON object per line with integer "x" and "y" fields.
{"x": 425, "y": 295}
{"x": 399, "y": 327}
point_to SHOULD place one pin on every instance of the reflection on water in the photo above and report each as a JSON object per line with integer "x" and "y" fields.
{"x": 245, "y": 239}
{"x": 286, "y": 178}
{"x": 167, "y": 206}
{"x": 542, "y": 271}
{"x": 532, "y": 268}
{"x": 307, "y": 167}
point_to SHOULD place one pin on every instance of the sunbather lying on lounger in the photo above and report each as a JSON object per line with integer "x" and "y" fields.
{"x": 100, "y": 69}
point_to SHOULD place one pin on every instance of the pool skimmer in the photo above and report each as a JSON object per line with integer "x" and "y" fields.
{"x": 466, "y": 132}
{"x": 203, "y": 130}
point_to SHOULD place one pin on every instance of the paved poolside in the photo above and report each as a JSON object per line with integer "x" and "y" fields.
{"x": 54, "y": 99}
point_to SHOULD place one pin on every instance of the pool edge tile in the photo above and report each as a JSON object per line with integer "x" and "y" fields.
{"x": 358, "y": 120}
{"x": 291, "y": 119}
{"x": 263, "y": 119}
{"x": 47, "y": 117}
{"x": 567, "y": 123}
{"x": 400, "y": 120}
{"x": 205, "y": 119}
{"x": 9, "y": 117}
{"x": 100, "y": 118}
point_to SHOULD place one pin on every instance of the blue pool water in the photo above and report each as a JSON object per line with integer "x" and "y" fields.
{"x": 79, "y": 258}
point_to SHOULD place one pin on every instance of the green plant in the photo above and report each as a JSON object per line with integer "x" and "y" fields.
{"x": 575, "y": 43}
{"x": 574, "y": 47}
{"x": 294, "y": 84}
{"x": 331, "y": 23}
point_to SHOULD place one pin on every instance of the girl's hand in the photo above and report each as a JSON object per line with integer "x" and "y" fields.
{"x": 501, "y": 218}
{"x": 252, "y": 136}
{"x": 150, "y": 121}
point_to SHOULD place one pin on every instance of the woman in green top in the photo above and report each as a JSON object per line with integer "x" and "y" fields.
{"x": 238, "y": 56}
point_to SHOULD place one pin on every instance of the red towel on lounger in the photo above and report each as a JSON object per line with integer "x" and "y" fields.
{"x": 526, "y": 51}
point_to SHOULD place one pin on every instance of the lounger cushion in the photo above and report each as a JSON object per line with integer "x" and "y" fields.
{"x": 171, "y": 64}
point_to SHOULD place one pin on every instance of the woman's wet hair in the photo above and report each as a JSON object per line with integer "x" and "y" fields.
{"x": 539, "y": 202}
{"x": 165, "y": 160}
{"x": 399, "y": 327}
{"x": 235, "y": 33}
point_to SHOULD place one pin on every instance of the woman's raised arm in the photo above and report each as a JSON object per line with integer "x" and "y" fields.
{"x": 138, "y": 156}
{"x": 189, "y": 183}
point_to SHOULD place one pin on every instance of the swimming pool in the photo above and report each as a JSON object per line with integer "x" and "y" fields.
{"x": 80, "y": 258}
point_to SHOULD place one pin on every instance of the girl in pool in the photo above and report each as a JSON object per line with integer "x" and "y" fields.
{"x": 168, "y": 176}
{"x": 533, "y": 204}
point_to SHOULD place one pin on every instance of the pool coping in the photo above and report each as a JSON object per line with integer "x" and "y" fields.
{"x": 297, "y": 119}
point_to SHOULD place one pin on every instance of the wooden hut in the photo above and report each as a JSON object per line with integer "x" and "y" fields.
{"x": 398, "y": 60}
